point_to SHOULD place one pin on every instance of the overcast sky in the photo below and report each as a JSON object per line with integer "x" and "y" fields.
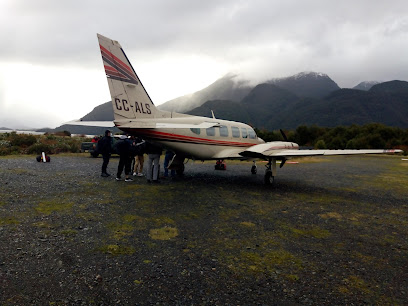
{"x": 51, "y": 70}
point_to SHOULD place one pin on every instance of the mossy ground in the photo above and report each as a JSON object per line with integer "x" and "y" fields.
{"x": 327, "y": 232}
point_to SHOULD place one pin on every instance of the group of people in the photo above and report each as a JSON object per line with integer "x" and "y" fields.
{"x": 129, "y": 149}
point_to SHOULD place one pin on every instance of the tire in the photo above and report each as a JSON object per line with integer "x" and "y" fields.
{"x": 94, "y": 154}
{"x": 180, "y": 171}
{"x": 254, "y": 169}
{"x": 268, "y": 179}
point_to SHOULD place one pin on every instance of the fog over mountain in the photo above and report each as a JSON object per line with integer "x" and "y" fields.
{"x": 228, "y": 87}
{"x": 305, "y": 98}
{"x": 366, "y": 85}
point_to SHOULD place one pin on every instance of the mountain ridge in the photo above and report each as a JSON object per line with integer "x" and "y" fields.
{"x": 284, "y": 103}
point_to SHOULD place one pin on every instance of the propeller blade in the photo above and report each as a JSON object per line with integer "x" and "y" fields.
{"x": 283, "y": 135}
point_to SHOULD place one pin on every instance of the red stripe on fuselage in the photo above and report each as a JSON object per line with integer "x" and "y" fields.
{"x": 163, "y": 136}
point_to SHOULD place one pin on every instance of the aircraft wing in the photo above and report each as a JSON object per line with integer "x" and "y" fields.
{"x": 144, "y": 124}
{"x": 234, "y": 153}
{"x": 265, "y": 150}
{"x": 202, "y": 125}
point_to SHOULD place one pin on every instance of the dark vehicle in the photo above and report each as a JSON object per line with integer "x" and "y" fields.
{"x": 92, "y": 147}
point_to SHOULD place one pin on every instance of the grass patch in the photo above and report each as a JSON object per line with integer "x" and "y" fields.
{"x": 48, "y": 207}
{"x": 121, "y": 230}
{"x": 247, "y": 224}
{"x": 355, "y": 285}
{"x": 305, "y": 231}
{"x": 261, "y": 262}
{"x": 164, "y": 233}
{"x": 116, "y": 250}
{"x": 69, "y": 233}
{"x": 394, "y": 178}
{"x": 9, "y": 221}
{"x": 331, "y": 215}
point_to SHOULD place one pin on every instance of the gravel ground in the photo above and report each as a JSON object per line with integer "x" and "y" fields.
{"x": 330, "y": 231}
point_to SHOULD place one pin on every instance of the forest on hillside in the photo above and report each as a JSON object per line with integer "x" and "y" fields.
{"x": 369, "y": 136}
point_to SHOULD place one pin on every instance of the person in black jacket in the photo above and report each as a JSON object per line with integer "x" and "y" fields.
{"x": 123, "y": 147}
{"x": 105, "y": 148}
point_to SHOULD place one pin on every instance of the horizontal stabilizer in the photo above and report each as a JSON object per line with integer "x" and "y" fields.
{"x": 91, "y": 123}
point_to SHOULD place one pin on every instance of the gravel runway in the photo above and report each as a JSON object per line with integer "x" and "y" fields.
{"x": 329, "y": 231}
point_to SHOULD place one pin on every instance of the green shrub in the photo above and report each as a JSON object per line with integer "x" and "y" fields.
{"x": 22, "y": 140}
{"x": 5, "y": 151}
{"x": 63, "y": 133}
{"x": 320, "y": 144}
{"x": 40, "y": 147}
{"x": 5, "y": 144}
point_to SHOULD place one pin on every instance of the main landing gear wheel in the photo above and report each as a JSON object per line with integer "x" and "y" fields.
{"x": 180, "y": 171}
{"x": 253, "y": 169}
{"x": 220, "y": 165}
{"x": 269, "y": 179}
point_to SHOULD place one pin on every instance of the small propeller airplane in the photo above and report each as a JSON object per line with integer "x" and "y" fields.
{"x": 192, "y": 137}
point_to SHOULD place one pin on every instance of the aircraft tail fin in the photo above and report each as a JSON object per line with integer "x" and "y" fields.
{"x": 129, "y": 98}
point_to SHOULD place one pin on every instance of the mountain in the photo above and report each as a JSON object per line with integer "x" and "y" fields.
{"x": 284, "y": 103}
{"x": 366, "y": 85}
{"x": 103, "y": 112}
{"x": 225, "y": 88}
{"x": 307, "y": 84}
{"x": 222, "y": 109}
{"x": 271, "y": 107}
{"x": 80, "y": 130}
{"x": 394, "y": 88}
{"x": 350, "y": 106}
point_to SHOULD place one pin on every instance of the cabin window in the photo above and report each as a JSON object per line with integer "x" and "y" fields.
{"x": 235, "y": 132}
{"x": 223, "y": 131}
{"x": 251, "y": 133}
{"x": 244, "y": 133}
{"x": 195, "y": 131}
{"x": 210, "y": 131}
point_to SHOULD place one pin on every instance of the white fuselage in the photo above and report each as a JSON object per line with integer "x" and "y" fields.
{"x": 223, "y": 141}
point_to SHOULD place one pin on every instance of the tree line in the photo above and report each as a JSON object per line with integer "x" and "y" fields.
{"x": 369, "y": 136}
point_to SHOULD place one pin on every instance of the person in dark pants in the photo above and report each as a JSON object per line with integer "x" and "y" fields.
{"x": 123, "y": 147}
{"x": 167, "y": 158}
{"x": 105, "y": 148}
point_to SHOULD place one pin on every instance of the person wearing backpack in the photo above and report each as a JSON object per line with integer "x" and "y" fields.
{"x": 105, "y": 148}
